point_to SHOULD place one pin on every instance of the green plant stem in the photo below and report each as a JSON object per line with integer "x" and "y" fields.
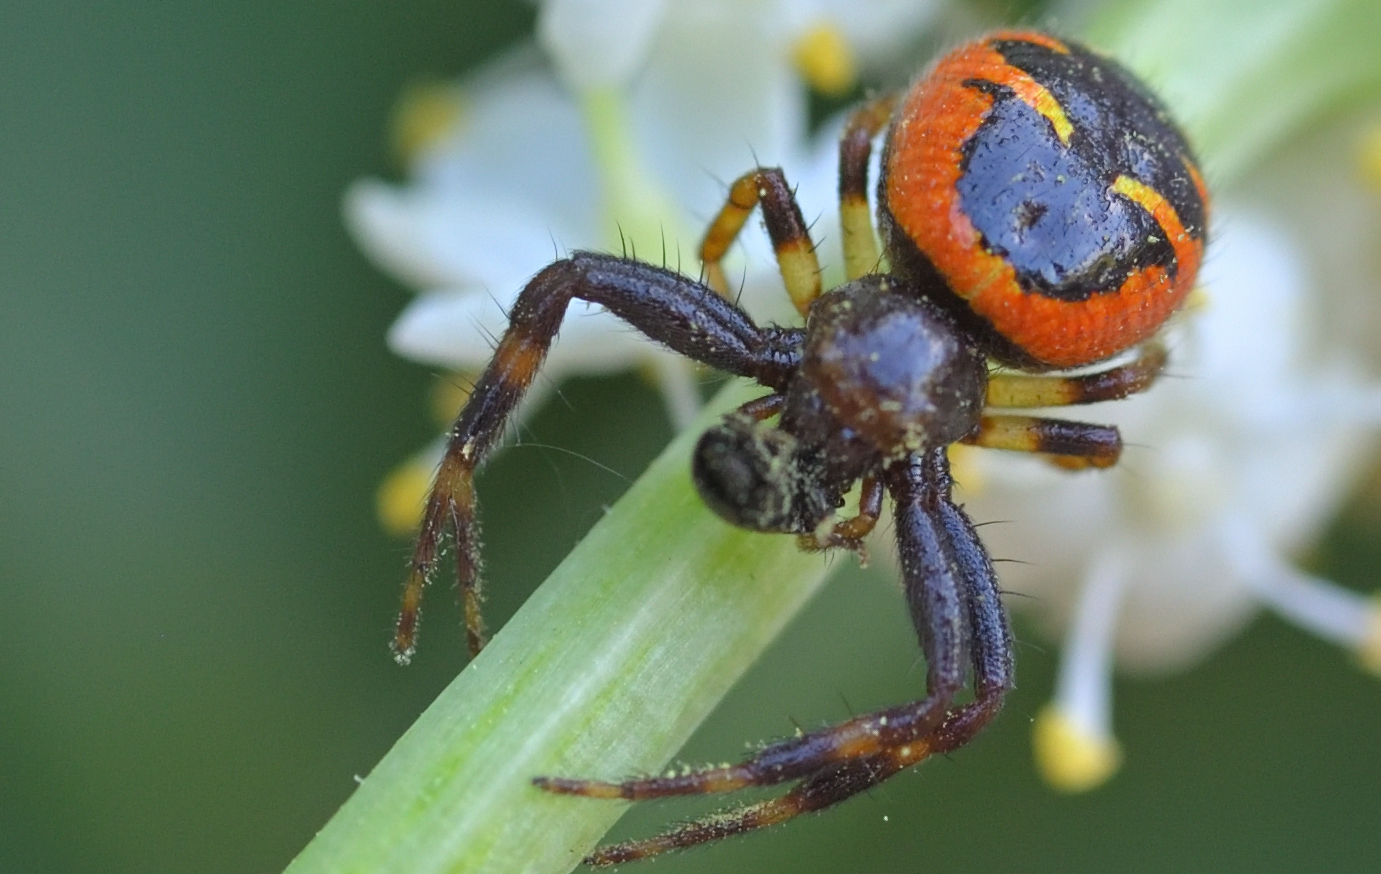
{"x": 604, "y": 672}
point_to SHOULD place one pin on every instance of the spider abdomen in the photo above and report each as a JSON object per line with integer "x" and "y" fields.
{"x": 1044, "y": 194}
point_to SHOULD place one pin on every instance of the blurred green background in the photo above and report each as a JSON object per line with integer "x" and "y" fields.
{"x": 197, "y": 406}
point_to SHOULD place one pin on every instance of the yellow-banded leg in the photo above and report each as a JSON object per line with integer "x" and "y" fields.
{"x": 1016, "y": 390}
{"x": 785, "y": 226}
{"x": 855, "y": 218}
{"x": 1071, "y": 445}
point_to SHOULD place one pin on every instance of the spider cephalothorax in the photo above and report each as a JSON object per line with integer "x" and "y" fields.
{"x": 883, "y": 372}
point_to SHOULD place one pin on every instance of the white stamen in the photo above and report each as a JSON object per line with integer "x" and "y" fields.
{"x": 1322, "y": 607}
{"x": 1083, "y": 688}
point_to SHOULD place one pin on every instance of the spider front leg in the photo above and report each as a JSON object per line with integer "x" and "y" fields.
{"x": 682, "y": 314}
{"x": 849, "y": 533}
{"x": 952, "y": 593}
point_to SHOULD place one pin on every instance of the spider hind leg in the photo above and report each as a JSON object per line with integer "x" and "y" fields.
{"x": 1068, "y": 444}
{"x": 953, "y": 596}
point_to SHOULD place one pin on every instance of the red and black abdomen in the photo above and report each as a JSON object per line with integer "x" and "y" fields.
{"x": 1047, "y": 190}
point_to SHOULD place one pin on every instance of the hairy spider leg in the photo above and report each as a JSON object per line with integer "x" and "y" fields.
{"x": 682, "y": 314}
{"x": 791, "y": 242}
{"x": 953, "y": 596}
{"x": 1018, "y": 390}
{"x": 807, "y": 796}
{"x": 855, "y": 218}
{"x": 1071, "y": 445}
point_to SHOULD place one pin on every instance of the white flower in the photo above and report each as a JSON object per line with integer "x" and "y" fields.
{"x": 1236, "y": 459}
{"x": 602, "y": 43}
{"x": 512, "y": 187}
{"x": 657, "y": 107}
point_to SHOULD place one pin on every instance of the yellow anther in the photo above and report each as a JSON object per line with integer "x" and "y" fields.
{"x": 1070, "y": 758}
{"x": 1370, "y": 158}
{"x": 424, "y": 114}
{"x": 1369, "y": 650}
{"x": 824, "y": 59}
{"x": 401, "y": 496}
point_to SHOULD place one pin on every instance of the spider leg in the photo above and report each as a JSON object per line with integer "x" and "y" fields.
{"x": 849, "y": 533}
{"x": 831, "y": 786}
{"x": 786, "y": 227}
{"x": 935, "y": 596}
{"x": 1019, "y": 390}
{"x": 826, "y": 789}
{"x": 990, "y": 634}
{"x": 802, "y": 756}
{"x": 1071, "y": 445}
{"x": 994, "y": 672}
{"x": 953, "y": 595}
{"x": 678, "y": 312}
{"x": 925, "y": 512}
{"x": 855, "y": 218}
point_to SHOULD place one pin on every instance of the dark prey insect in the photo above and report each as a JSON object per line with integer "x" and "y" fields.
{"x": 1039, "y": 211}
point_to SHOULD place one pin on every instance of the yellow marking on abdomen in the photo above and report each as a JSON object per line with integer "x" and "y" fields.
{"x": 1039, "y": 98}
{"x": 1153, "y": 202}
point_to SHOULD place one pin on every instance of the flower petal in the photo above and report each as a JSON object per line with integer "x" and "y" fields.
{"x": 428, "y": 238}
{"x": 878, "y": 31}
{"x": 719, "y": 98}
{"x": 598, "y": 43}
{"x": 521, "y": 140}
